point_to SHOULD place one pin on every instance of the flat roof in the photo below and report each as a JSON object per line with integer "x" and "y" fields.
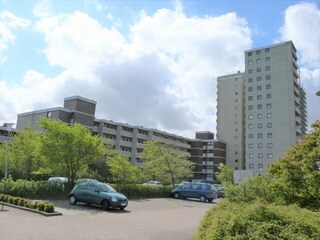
{"x": 272, "y": 45}
{"x": 81, "y": 98}
{"x": 45, "y": 110}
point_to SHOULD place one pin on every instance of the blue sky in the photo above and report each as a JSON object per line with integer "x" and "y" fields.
{"x": 151, "y": 63}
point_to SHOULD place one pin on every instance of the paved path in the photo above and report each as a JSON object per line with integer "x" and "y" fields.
{"x": 148, "y": 219}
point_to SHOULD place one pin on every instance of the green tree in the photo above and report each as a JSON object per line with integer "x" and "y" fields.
{"x": 122, "y": 170}
{"x": 163, "y": 163}
{"x": 225, "y": 173}
{"x": 69, "y": 149}
{"x": 296, "y": 176}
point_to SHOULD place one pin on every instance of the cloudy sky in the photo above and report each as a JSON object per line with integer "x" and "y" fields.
{"x": 147, "y": 63}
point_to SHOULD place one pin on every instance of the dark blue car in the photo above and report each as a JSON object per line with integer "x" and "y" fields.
{"x": 202, "y": 191}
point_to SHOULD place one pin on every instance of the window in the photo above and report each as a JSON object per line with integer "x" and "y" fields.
{"x": 269, "y": 125}
{"x": 258, "y": 79}
{"x": 249, "y": 71}
{"x": 260, "y": 135}
{"x": 236, "y": 93}
{"x": 267, "y": 50}
{"x": 250, "y": 116}
{"x": 250, "y": 126}
{"x": 259, "y": 69}
{"x": 250, "y": 98}
{"x": 250, "y": 107}
{"x": 269, "y": 115}
{"x": 259, "y": 116}
{"x": 268, "y": 68}
{"x": 249, "y": 54}
{"x": 249, "y": 62}
{"x": 236, "y": 129}
{"x": 236, "y": 122}
{"x": 250, "y": 155}
{"x": 260, "y": 166}
{"x": 259, "y": 106}
{"x": 260, "y": 145}
{"x": 268, "y": 77}
{"x": 267, "y": 59}
{"x": 269, "y": 105}
{"x": 250, "y": 145}
{"x": 251, "y": 166}
{"x": 260, "y": 155}
{"x": 259, "y": 88}
{"x": 260, "y": 125}
{"x": 268, "y": 95}
{"x": 258, "y": 60}
{"x": 236, "y": 137}
{"x": 270, "y": 156}
{"x": 250, "y": 135}
{"x": 49, "y": 114}
{"x": 236, "y": 100}
{"x": 250, "y": 80}
{"x": 236, "y": 86}
{"x": 268, "y": 86}
{"x": 258, "y": 52}
{"x": 259, "y": 97}
{"x": 269, "y": 135}
{"x": 270, "y": 145}
{"x": 250, "y": 89}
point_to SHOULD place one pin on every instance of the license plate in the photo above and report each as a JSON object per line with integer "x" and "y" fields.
{"x": 123, "y": 204}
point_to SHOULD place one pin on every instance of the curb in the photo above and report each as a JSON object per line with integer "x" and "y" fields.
{"x": 32, "y": 210}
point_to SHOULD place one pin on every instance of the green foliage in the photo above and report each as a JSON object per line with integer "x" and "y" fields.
{"x": 41, "y": 205}
{"x": 21, "y": 202}
{"x": 257, "y": 221}
{"x": 69, "y": 148}
{"x": 165, "y": 164}
{"x": 225, "y": 173}
{"x": 123, "y": 171}
{"x": 49, "y": 208}
{"x": 143, "y": 191}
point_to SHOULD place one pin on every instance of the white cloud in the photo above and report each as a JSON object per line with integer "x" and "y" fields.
{"x": 163, "y": 76}
{"x": 8, "y": 23}
{"x": 301, "y": 25}
{"x": 42, "y": 9}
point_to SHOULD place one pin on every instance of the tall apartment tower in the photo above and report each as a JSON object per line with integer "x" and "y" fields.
{"x": 273, "y": 107}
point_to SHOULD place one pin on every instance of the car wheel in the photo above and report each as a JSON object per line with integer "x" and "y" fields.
{"x": 210, "y": 200}
{"x": 176, "y": 195}
{"x": 105, "y": 205}
{"x": 202, "y": 198}
{"x": 72, "y": 200}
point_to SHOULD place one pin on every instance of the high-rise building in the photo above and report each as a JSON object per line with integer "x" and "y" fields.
{"x": 262, "y": 112}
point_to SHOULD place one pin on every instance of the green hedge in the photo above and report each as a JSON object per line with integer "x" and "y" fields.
{"x": 143, "y": 191}
{"x": 28, "y": 203}
{"x": 258, "y": 220}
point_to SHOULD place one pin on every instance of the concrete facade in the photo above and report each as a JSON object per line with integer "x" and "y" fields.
{"x": 273, "y": 103}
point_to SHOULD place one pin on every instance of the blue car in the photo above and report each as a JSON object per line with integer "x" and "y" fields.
{"x": 202, "y": 191}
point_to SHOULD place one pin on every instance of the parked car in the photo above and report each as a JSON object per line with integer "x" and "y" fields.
{"x": 153, "y": 183}
{"x": 58, "y": 179}
{"x": 98, "y": 193}
{"x": 180, "y": 184}
{"x": 203, "y": 191}
{"x": 221, "y": 192}
{"x": 83, "y": 180}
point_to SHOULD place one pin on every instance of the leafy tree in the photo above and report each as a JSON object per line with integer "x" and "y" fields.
{"x": 225, "y": 173}
{"x": 69, "y": 149}
{"x": 163, "y": 163}
{"x": 122, "y": 170}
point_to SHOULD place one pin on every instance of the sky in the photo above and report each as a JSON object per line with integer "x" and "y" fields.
{"x": 146, "y": 63}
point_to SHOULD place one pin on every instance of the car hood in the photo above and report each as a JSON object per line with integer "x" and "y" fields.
{"x": 118, "y": 195}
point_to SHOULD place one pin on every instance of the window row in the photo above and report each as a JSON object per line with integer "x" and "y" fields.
{"x": 258, "y": 69}
{"x": 260, "y": 145}
{"x": 260, "y": 155}
{"x": 258, "y": 52}
{"x": 258, "y": 61}
{"x": 259, "y": 78}
{"x": 259, "y": 135}
{"x": 259, "y": 97}
{"x": 259, "y": 106}
{"x": 260, "y": 166}
{"x": 259, "y": 125}
{"x": 259, "y": 116}
{"x": 259, "y": 88}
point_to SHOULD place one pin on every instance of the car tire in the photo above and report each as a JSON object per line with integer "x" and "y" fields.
{"x": 210, "y": 200}
{"x": 105, "y": 205}
{"x": 176, "y": 195}
{"x": 72, "y": 200}
{"x": 202, "y": 198}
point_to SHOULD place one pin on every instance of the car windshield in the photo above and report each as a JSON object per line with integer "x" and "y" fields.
{"x": 106, "y": 188}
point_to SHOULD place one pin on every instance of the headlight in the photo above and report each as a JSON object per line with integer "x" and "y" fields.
{"x": 114, "y": 199}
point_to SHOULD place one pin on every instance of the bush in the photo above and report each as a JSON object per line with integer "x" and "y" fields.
{"x": 21, "y": 202}
{"x": 143, "y": 191}
{"x": 41, "y": 205}
{"x": 258, "y": 220}
{"x": 49, "y": 208}
{"x": 16, "y": 201}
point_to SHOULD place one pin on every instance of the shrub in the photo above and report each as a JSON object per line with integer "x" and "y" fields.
{"x": 2, "y": 197}
{"x": 143, "y": 191}
{"x": 11, "y": 199}
{"x": 34, "y": 205}
{"x": 21, "y": 202}
{"x": 27, "y": 203}
{"x": 49, "y": 208}
{"x": 258, "y": 220}
{"x": 41, "y": 205}
{"x": 6, "y": 198}
{"x": 16, "y": 200}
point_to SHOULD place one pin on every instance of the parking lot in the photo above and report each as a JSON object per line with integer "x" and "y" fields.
{"x": 143, "y": 219}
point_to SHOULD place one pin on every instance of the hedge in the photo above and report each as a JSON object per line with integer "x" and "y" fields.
{"x": 258, "y": 220}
